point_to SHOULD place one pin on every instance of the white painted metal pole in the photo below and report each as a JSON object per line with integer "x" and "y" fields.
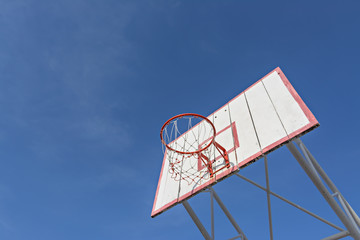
{"x": 236, "y": 237}
{"x": 291, "y": 203}
{"x": 324, "y": 191}
{"x": 337, "y": 236}
{"x": 268, "y": 197}
{"x": 196, "y": 220}
{"x": 341, "y": 200}
{"x": 227, "y": 213}
{"x": 212, "y": 214}
{"x": 328, "y": 181}
{"x": 353, "y": 213}
{"x": 317, "y": 166}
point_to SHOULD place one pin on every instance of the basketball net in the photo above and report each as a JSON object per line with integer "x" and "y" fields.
{"x": 190, "y": 147}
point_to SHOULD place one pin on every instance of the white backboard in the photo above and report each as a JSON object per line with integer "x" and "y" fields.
{"x": 262, "y": 118}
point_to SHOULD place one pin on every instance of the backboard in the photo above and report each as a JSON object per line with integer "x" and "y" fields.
{"x": 265, "y": 116}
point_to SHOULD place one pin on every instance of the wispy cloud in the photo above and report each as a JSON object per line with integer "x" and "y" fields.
{"x": 5, "y": 194}
{"x": 74, "y": 85}
{"x": 110, "y": 176}
{"x": 104, "y": 131}
{"x": 118, "y": 175}
{"x": 6, "y": 225}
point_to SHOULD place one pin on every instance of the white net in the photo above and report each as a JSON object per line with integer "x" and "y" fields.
{"x": 187, "y": 144}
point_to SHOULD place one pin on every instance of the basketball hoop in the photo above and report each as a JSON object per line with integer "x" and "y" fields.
{"x": 190, "y": 145}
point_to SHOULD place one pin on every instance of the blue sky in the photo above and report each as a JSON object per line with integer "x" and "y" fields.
{"x": 85, "y": 87}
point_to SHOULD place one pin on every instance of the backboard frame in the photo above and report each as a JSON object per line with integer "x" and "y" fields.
{"x": 312, "y": 123}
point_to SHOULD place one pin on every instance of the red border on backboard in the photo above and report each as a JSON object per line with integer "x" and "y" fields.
{"x": 313, "y": 123}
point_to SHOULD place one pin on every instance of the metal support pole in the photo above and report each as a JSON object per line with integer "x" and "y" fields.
{"x": 354, "y": 232}
{"x": 337, "y": 236}
{"x": 212, "y": 215}
{"x": 291, "y": 203}
{"x": 352, "y": 212}
{"x": 196, "y": 220}
{"x": 268, "y": 197}
{"x": 228, "y": 215}
{"x": 236, "y": 237}
{"x": 341, "y": 200}
{"x": 316, "y": 165}
{"x": 328, "y": 181}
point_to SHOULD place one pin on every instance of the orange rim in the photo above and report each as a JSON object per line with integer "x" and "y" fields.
{"x": 184, "y": 115}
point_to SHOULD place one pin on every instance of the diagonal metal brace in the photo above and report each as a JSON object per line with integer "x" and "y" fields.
{"x": 313, "y": 175}
{"x": 227, "y": 213}
{"x": 291, "y": 203}
{"x": 337, "y": 236}
{"x": 196, "y": 220}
